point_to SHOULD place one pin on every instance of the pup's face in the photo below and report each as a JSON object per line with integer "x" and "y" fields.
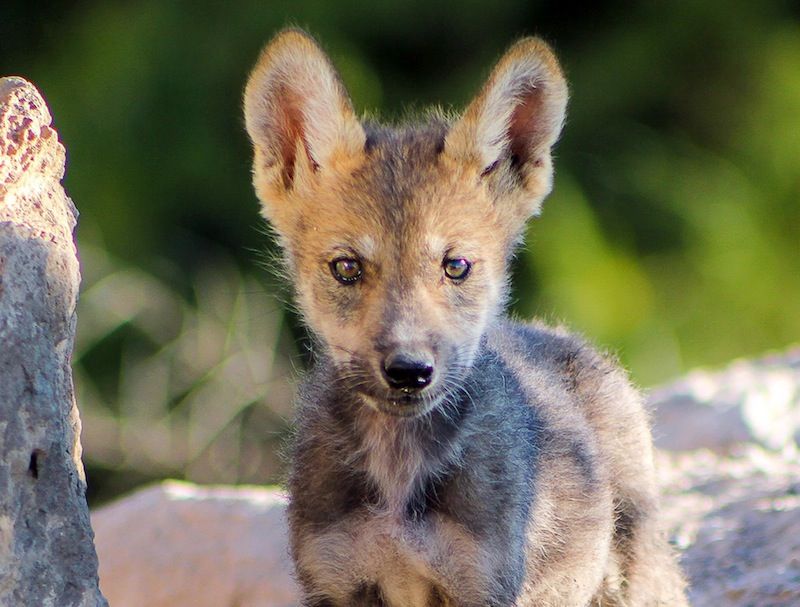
{"x": 399, "y": 263}
{"x": 397, "y": 240}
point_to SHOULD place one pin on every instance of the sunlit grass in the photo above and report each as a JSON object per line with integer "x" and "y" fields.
{"x": 201, "y": 390}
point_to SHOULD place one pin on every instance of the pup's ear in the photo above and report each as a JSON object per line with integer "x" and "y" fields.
{"x": 297, "y": 113}
{"x": 507, "y": 131}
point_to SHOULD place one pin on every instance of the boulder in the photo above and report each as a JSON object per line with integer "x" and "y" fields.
{"x": 181, "y": 544}
{"x": 46, "y": 553}
{"x": 729, "y": 445}
{"x": 750, "y": 401}
{"x": 736, "y": 520}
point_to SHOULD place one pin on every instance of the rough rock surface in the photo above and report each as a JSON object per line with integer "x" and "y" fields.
{"x": 736, "y": 519}
{"x": 730, "y": 467}
{"x": 754, "y": 401}
{"x": 180, "y": 544}
{"x": 46, "y": 551}
{"x": 731, "y": 505}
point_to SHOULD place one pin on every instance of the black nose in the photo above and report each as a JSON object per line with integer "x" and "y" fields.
{"x": 407, "y": 372}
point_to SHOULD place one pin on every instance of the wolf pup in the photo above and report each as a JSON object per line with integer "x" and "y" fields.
{"x": 445, "y": 455}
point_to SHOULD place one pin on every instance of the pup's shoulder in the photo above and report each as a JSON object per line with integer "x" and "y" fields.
{"x": 548, "y": 356}
{"x": 542, "y": 344}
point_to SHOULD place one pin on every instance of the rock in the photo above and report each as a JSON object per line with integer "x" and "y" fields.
{"x": 736, "y": 519}
{"x": 46, "y": 551}
{"x": 748, "y": 402}
{"x": 731, "y": 474}
{"x": 180, "y": 544}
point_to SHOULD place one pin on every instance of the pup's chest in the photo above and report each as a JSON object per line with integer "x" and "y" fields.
{"x": 397, "y": 560}
{"x": 407, "y": 563}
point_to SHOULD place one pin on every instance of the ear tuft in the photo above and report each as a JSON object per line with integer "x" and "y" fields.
{"x": 297, "y": 112}
{"x": 518, "y": 115}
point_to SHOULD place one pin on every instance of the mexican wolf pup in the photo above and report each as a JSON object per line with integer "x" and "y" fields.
{"x": 445, "y": 455}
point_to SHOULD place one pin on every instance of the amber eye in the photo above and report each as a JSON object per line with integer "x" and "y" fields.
{"x": 346, "y": 270}
{"x": 456, "y": 269}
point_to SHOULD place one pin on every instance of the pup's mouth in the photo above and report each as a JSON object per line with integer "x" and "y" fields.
{"x": 401, "y": 404}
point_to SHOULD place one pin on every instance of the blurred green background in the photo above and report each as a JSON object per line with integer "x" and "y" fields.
{"x": 672, "y": 236}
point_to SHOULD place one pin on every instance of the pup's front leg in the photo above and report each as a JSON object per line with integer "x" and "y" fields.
{"x": 371, "y": 596}
{"x": 439, "y": 599}
{"x": 368, "y": 595}
{"x": 364, "y": 596}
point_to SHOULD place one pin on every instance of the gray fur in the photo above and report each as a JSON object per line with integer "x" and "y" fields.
{"x": 485, "y": 455}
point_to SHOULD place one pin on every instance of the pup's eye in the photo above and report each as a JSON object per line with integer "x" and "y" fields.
{"x": 456, "y": 269}
{"x": 346, "y": 270}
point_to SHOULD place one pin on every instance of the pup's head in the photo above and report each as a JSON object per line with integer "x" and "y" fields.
{"x": 398, "y": 239}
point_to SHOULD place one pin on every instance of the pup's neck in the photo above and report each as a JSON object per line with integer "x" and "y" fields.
{"x": 400, "y": 454}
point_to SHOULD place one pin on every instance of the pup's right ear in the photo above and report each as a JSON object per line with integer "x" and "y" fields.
{"x": 298, "y": 115}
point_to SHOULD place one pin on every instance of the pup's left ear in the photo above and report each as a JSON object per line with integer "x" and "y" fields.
{"x": 507, "y": 131}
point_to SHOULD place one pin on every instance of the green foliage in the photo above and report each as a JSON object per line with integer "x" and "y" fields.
{"x": 672, "y": 236}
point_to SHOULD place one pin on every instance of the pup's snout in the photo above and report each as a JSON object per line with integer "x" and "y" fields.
{"x": 408, "y": 371}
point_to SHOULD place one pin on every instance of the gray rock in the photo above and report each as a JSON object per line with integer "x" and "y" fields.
{"x": 756, "y": 401}
{"x": 736, "y": 519}
{"x": 731, "y": 475}
{"x": 198, "y": 546}
{"x": 46, "y": 553}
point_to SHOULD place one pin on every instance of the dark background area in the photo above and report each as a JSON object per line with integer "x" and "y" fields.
{"x": 671, "y": 238}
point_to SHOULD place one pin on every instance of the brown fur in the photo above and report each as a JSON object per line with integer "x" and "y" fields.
{"x": 520, "y": 471}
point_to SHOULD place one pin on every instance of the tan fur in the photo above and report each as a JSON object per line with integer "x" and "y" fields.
{"x": 526, "y": 82}
{"x": 404, "y": 561}
{"x": 519, "y": 471}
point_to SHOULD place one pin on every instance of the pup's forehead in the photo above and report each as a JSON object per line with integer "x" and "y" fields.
{"x": 398, "y": 161}
{"x": 404, "y": 177}
{"x": 418, "y": 142}
{"x": 403, "y": 196}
